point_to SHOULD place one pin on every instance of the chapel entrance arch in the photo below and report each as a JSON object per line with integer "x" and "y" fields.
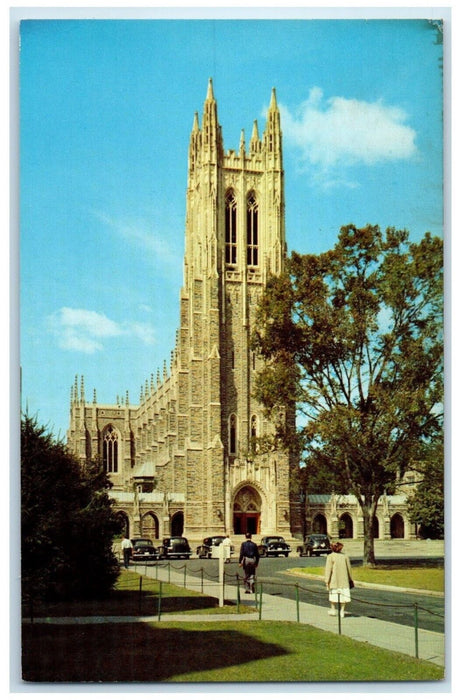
{"x": 247, "y": 511}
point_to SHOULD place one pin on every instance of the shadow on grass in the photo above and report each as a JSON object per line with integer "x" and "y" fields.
{"x": 133, "y": 652}
{"x": 122, "y": 602}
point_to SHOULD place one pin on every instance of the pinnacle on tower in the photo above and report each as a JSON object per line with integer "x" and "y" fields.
{"x": 195, "y": 125}
{"x": 211, "y": 131}
{"x": 255, "y": 143}
{"x": 209, "y": 94}
{"x": 242, "y": 141}
{"x": 273, "y": 132}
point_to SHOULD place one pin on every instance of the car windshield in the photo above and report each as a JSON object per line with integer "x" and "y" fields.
{"x": 275, "y": 539}
{"x": 143, "y": 543}
{"x": 319, "y": 537}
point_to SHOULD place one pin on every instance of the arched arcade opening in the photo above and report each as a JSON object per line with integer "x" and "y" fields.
{"x": 319, "y": 524}
{"x": 397, "y": 526}
{"x": 150, "y": 526}
{"x": 345, "y": 526}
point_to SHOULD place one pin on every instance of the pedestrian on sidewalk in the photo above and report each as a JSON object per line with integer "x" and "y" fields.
{"x": 338, "y": 578}
{"x": 227, "y": 548}
{"x": 249, "y": 559}
{"x": 127, "y": 548}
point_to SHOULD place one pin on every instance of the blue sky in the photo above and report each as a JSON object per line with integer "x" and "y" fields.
{"x": 106, "y": 110}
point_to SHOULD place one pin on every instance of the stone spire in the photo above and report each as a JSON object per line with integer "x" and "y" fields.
{"x": 273, "y": 134}
{"x": 211, "y": 131}
{"x": 255, "y": 144}
{"x": 194, "y": 144}
{"x": 242, "y": 142}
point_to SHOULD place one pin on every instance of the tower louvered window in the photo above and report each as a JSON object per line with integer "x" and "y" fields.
{"x": 252, "y": 230}
{"x": 232, "y": 434}
{"x": 110, "y": 450}
{"x": 254, "y": 433}
{"x": 231, "y": 229}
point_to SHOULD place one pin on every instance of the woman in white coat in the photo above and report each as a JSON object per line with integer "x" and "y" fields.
{"x": 338, "y": 578}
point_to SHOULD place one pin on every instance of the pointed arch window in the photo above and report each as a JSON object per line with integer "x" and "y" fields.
{"x": 233, "y": 434}
{"x": 110, "y": 450}
{"x": 252, "y": 230}
{"x": 231, "y": 228}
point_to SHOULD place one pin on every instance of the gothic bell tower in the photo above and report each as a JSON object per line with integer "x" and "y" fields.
{"x": 235, "y": 237}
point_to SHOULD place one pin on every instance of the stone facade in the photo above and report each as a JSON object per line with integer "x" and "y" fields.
{"x": 182, "y": 460}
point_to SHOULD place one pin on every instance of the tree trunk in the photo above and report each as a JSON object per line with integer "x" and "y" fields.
{"x": 368, "y": 511}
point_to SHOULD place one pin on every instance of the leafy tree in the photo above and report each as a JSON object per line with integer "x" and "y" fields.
{"x": 67, "y": 523}
{"x": 354, "y": 337}
{"x": 426, "y": 505}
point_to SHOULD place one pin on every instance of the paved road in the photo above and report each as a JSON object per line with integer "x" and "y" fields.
{"x": 391, "y": 606}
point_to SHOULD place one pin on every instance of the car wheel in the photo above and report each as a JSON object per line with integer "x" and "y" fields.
{"x": 286, "y": 554}
{"x": 309, "y": 552}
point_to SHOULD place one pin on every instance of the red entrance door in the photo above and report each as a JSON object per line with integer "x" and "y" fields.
{"x": 246, "y": 522}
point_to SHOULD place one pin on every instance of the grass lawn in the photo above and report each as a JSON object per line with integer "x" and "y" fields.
{"x": 227, "y": 651}
{"x": 423, "y": 578}
{"x": 210, "y": 651}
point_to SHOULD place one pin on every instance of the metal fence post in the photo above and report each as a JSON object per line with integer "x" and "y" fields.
{"x": 297, "y": 601}
{"x": 260, "y": 600}
{"x": 159, "y": 600}
{"x": 201, "y": 576}
{"x": 416, "y": 632}
{"x": 238, "y": 592}
{"x": 339, "y": 613}
{"x": 140, "y": 594}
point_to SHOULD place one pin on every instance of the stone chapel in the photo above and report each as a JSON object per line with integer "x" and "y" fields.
{"x": 183, "y": 460}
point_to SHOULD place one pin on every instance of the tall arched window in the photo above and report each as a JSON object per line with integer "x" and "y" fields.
{"x": 233, "y": 434}
{"x": 252, "y": 230}
{"x": 110, "y": 450}
{"x": 254, "y": 427}
{"x": 231, "y": 228}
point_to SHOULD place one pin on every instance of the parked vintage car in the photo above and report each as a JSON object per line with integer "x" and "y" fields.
{"x": 174, "y": 548}
{"x": 272, "y": 546}
{"x": 204, "y": 550}
{"x": 314, "y": 545}
{"x": 143, "y": 549}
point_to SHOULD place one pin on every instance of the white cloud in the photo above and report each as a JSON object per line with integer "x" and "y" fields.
{"x": 143, "y": 331}
{"x": 82, "y": 330}
{"x": 335, "y": 133}
{"x": 141, "y": 233}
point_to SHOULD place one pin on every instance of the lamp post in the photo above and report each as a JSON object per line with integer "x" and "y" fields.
{"x": 302, "y": 500}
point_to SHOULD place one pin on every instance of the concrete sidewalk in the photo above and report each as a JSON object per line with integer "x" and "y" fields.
{"x": 387, "y": 635}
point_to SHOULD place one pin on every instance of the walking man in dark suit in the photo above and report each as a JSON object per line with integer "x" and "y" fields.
{"x": 249, "y": 559}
